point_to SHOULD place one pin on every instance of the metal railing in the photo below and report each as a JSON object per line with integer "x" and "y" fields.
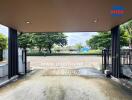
{"x": 106, "y": 59}
{"x": 125, "y": 58}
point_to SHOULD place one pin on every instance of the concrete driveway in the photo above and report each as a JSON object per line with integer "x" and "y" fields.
{"x": 39, "y": 86}
{"x": 73, "y": 81}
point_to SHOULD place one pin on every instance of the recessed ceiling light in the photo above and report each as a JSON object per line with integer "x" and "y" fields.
{"x": 28, "y": 22}
{"x": 95, "y": 20}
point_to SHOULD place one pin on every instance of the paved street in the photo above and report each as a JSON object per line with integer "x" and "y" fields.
{"x": 65, "y": 62}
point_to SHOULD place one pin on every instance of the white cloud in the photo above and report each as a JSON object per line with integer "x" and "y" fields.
{"x": 78, "y": 37}
{"x": 4, "y": 30}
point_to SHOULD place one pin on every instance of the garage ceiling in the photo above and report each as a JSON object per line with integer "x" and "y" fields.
{"x": 62, "y": 15}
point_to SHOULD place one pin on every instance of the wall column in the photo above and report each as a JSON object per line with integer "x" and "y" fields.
{"x": 116, "y": 68}
{"x": 12, "y": 53}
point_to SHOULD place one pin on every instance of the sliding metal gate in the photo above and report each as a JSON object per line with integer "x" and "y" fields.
{"x": 125, "y": 61}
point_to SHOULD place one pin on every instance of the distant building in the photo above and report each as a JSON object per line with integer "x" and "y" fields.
{"x": 85, "y": 49}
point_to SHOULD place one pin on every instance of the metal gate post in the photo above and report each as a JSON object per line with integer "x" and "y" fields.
{"x": 116, "y": 68}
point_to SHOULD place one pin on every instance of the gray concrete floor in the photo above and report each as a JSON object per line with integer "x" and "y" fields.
{"x": 43, "y": 85}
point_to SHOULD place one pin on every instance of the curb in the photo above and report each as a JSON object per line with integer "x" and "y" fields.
{"x": 122, "y": 82}
{"x": 8, "y": 81}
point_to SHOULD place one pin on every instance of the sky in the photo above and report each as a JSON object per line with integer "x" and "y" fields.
{"x": 73, "y": 37}
{"x": 79, "y": 37}
{"x": 3, "y": 30}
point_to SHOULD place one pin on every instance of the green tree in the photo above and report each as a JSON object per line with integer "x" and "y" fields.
{"x": 25, "y": 40}
{"x": 128, "y": 28}
{"x": 103, "y": 40}
{"x": 79, "y": 46}
{"x": 3, "y": 45}
{"x": 42, "y": 40}
{"x": 54, "y": 38}
{"x": 39, "y": 40}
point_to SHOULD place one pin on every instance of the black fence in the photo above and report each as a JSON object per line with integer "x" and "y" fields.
{"x": 126, "y": 57}
{"x": 125, "y": 60}
{"x": 106, "y": 59}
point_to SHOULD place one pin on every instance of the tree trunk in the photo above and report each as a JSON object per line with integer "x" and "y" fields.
{"x": 49, "y": 48}
{"x": 50, "y": 51}
{"x": 40, "y": 49}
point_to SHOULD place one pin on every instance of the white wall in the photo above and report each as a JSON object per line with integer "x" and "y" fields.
{"x": 5, "y": 54}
